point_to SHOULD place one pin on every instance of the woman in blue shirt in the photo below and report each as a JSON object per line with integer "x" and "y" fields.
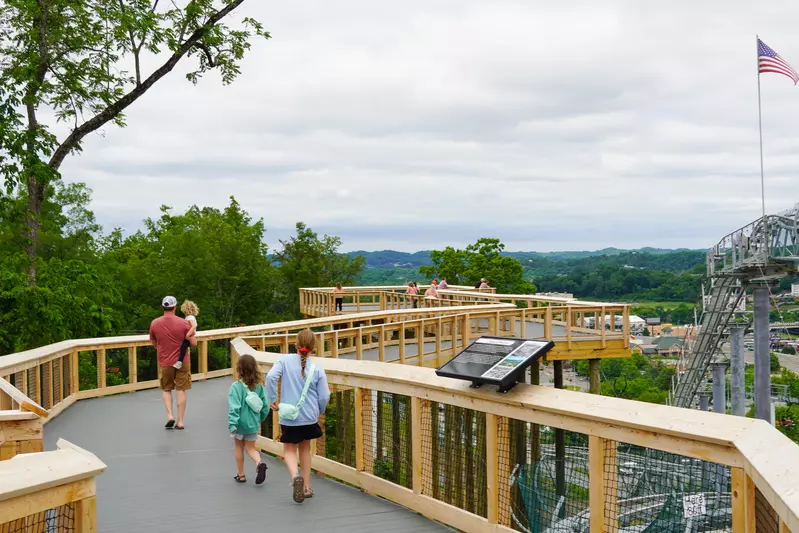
{"x": 304, "y": 390}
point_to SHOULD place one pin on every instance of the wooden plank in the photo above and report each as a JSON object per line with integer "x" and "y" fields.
{"x": 367, "y": 437}
{"x": 133, "y": 365}
{"x": 86, "y": 515}
{"x": 749, "y": 496}
{"x": 738, "y": 480}
{"x": 27, "y": 505}
{"x": 602, "y": 476}
{"x": 21, "y": 399}
{"x": 359, "y": 463}
{"x": 492, "y": 467}
{"x": 416, "y": 446}
{"x": 101, "y": 370}
{"x": 21, "y": 430}
{"x": 381, "y": 344}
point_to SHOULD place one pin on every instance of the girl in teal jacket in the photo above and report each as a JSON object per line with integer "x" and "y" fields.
{"x": 247, "y": 408}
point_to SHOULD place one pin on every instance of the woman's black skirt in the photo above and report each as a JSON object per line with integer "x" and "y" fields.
{"x": 298, "y": 434}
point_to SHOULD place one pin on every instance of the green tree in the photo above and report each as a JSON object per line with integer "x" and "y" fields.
{"x": 308, "y": 261}
{"x": 482, "y": 259}
{"x": 81, "y": 62}
{"x": 216, "y": 258}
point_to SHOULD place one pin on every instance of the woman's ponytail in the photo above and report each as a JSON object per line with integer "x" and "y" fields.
{"x": 306, "y": 341}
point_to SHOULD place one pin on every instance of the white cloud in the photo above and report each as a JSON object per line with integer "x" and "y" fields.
{"x": 565, "y": 125}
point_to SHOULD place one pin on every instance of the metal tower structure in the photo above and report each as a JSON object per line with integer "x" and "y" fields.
{"x": 763, "y": 250}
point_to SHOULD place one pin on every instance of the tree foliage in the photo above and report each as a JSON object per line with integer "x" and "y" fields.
{"x": 308, "y": 261}
{"x": 636, "y": 378}
{"x": 80, "y": 62}
{"x": 482, "y": 259}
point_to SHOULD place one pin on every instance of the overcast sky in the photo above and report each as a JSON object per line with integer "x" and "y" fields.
{"x": 425, "y": 123}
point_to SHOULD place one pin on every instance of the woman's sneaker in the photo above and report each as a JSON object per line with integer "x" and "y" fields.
{"x": 261, "y": 473}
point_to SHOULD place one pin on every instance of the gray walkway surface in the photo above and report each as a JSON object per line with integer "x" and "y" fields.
{"x": 173, "y": 481}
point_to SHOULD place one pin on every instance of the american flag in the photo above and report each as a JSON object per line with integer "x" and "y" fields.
{"x": 770, "y": 61}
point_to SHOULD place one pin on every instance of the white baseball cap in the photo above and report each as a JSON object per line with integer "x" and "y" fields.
{"x": 168, "y": 302}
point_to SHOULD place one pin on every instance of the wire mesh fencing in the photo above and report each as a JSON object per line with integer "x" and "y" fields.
{"x": 454, "y": 456}
{"x": 340, "y": 426}
{"x": 387, "y": 423}
{"x": 548, "y": 477}
{"x": 57, "y": 520}
{"x": 664, "y": 492}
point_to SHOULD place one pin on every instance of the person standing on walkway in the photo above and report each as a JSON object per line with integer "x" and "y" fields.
{"x": 303, "y": 397}
{"x": 442, "y": 287}
{"x": 167, "y": 334}
{"x": 431, "y": 294}
{"x": 412, "y": 291}
{"x": 339, "y": 292}
{"x": 247, "y": 409}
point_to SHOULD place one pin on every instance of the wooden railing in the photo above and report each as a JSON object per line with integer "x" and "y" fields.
{"x": 317, "y": 302}
{"x": 466, "y": 457}
{"x": 51, "y": 491}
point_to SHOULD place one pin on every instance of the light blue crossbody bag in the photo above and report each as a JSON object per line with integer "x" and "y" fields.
{"x": 288, "y": 411}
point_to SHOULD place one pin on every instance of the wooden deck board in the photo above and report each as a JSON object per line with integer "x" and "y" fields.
{"x": 160, "y": 480}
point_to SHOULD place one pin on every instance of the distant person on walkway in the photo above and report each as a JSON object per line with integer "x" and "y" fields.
{"x": 247, "y": 409}
{"x": 442, "y": 287}
{"x": 190, "y": 312}
{"x": 303, "y": 397}
{"x": 339, "y": 292}
{"x": 167, "y": 334}
{"x": 484, "y": 284}
{"x": 412, "y": 291}
{"x": 430, "y": 294}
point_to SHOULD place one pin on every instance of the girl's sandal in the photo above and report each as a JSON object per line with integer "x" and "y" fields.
{"x": 298, "y": 489}
{"x": 240, "y": 479}
{"x": 309, "y": 493}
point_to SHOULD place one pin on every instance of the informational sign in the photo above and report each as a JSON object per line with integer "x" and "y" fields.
{"x": 495, "y": 360}
{"x": 694, "y": 505}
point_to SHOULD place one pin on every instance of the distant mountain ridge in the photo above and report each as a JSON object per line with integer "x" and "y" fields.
{"x": 395, "y": 259}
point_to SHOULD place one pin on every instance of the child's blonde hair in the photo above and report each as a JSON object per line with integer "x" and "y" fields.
{"x": 189, "y": 308}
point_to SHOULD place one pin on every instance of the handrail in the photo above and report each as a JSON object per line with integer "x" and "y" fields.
{"x": 34, "y": 484}
{"x": 25, "y": 403}
{"x": 760, "y": 458}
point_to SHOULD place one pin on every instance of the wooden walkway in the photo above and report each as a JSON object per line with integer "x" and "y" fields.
{"x": 169, "y": 481}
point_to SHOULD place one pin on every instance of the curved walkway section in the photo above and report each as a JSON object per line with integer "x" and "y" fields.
{"x": 166, "y": 481}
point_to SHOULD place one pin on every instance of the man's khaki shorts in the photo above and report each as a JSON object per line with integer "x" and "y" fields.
{"x": 174, "y": 379}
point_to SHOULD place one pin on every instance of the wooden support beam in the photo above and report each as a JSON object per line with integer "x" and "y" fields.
{"x": 86, "y": 515}
{"x": 602, "y": 485}
{"x": 359, "y": 448}
{"x": 101, "y": 368}
{"x": 133, "y": 366}
{"x": 492, "y": 468}
{"x": 738, "y": 482}
{"x": 593, "y": 376}
{"x": 416, "y": 451}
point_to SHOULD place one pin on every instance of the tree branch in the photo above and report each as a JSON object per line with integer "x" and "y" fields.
{"x": 207, "y": 53}
{"x": 112, "y": 111}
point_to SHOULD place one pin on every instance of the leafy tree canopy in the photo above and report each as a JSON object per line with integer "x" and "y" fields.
{"x": 482, "y": 259}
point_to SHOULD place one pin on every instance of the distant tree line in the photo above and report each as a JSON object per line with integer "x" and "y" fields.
{"x": 92, "y": 284}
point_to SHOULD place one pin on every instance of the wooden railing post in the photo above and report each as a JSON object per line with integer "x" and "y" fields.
{"x": 381, "y": 344}
{"x": 492, "y": 468}
{"x": 74, "y": 372}
{"x": 738, "y": 500}
{"x": 359, "y": 350}
{"x": 601, "y": 476}
{"x": 101, "y": 368}
{"x": 202, "y": 357}
{"x": 439, "y": 334}
{"x": 86, "y": 515}
{"x": 420, "y": 344}
{"x": 359, "y": 441}
{"x": 466, "y": 332}
{"x": 548, "y": 323}
{"x": 133, "y": 365}
{"x": 416, "y": 443}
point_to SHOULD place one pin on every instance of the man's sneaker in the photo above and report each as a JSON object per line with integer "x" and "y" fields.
{"x": 178, "y": 365}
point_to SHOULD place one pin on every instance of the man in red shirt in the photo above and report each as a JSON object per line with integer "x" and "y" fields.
{"x": 167, "y": 334}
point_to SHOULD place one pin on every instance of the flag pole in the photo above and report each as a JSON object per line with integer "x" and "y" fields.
{"x": 760, "y": 128}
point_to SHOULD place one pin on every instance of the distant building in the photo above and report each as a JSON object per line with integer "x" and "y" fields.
{"x": 653, "y": 321}
{"x": 795, "y": 290}
{"x": 666, "y": 346}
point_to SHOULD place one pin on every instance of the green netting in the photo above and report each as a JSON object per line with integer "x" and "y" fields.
{"x": 647, "y": 491}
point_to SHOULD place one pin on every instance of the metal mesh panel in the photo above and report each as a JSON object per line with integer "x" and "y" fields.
{"x": 766, "y": 520}
{"x": 454, "y": 456}
{"x": 664, "y": 491}
{"x": 391, "y": 452}
{"x": 58, "y": 520}
{"x": 340, "y": 427}
{"x": 33, "y": 386}
{"x": 548, "y": 473}
{"x": 66, "y": 380}
{"x": 268, "y": 427}
{"x": 57, "y": 386}
{"x": 44, "y": 385}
